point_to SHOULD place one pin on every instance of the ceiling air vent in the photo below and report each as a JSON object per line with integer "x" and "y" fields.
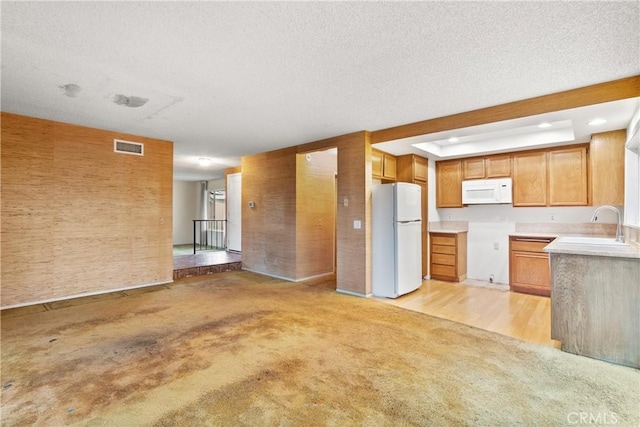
{"x": 128, "y": 147}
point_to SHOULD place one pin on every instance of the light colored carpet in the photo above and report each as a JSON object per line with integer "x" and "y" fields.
{"x": 243, "y": 349}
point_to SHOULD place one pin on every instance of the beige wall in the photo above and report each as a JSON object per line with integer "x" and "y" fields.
{"x": 78, "y": 218}
{"x": 269, "y": 231}
{"x": 185, "y": 209}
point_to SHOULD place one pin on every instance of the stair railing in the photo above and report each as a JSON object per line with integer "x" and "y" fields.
{"x": 209, "y": 234}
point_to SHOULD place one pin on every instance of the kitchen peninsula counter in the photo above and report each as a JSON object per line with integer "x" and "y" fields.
{"x": 619, "y": 251}
{"x": 595, "y": 301}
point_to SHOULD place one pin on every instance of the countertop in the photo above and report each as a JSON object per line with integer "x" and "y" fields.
{"x": 626, "y": 251}
{"x": 452, "y": 231}
{"x": 621, "y": 251}
{"x": 540, "y": 235}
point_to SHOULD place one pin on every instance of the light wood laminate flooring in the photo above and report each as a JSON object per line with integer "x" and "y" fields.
{"x": 522, "y": 316}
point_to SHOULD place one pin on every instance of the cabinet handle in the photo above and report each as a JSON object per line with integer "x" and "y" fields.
{"x": 518, "y": 239}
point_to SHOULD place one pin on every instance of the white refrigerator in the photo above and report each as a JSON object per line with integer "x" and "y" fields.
{"x": 397, "y": 239}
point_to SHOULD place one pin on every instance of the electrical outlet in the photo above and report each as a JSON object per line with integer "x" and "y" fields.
{"x": 496, "y": 246}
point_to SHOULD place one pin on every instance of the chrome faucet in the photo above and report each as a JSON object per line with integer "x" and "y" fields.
{"x": 594, "y": 218}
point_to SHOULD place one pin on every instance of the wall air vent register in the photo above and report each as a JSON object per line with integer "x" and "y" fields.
{"x": 128, "y": 147}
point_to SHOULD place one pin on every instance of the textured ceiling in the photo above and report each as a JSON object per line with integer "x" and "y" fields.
{"x": 227, "y": 79}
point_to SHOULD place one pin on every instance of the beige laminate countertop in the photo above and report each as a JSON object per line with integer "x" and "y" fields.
{"x": 617, "y": 251}
{"x": 535, "y": 235}
{"x": 621, "y": 251}
{"x": 452, "y": 231}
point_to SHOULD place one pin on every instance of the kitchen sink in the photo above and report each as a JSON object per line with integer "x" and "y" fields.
{"x": 608, "y": 241}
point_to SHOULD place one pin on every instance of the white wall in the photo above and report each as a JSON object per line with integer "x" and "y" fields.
{"x": 185, "y": 210}
{"x": 491, "y": 224}
{"x": 632, "y": 173}
{"x": 216, "y": 184}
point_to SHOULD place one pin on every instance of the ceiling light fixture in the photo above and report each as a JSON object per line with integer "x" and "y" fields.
{"x": 544, "y": 125}
{"x": 202, "y": 161}
{"x": 453, "y": 139}
{"x": 597, "y": 122}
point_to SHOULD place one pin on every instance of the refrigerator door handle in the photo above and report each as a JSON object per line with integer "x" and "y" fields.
{"x": 409, "y": 222}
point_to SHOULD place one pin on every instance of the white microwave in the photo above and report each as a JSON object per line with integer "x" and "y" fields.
{"x": 487, "y": 191}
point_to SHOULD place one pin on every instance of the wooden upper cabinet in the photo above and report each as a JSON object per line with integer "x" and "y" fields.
{"x": 376, "y": 163}
{"x": 568, "y": 177}
{"x": 419, "y": 168}
{"x": 383, "y": 165}
{"x": 473, "y": 168}
{"x": 554, "y": 177}
{"x": 498, "y": 166}
{"x": 388, "y": 167}
{"x": 412, "y": 168}
{"x": 530, "y": 179}
{"x": 606, "y": 159}
{"x": 449, "y": 184}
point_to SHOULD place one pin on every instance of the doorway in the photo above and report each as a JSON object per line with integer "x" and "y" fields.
{"x": 234, "y": 212}
{"x": 316, "y": 197}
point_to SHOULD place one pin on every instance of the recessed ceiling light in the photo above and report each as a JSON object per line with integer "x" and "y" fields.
{"x": 204, "y": 161}
{"x": 453, "y": 139}
{"x": 544, "y": 125}
{"x": 597, "y": 122}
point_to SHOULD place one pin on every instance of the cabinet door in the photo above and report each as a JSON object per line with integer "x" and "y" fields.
{"x": 376, "y": 163}
{"x": 530, "y": 179}
{"x": 606, "y": 156}
{"x": 234, "y": 212}
{"x": 449, "y": 184}
{"x": 498, "y": 166}
{"x": 388, "y": 166}
{"x": 419, "y": 168}
{"x": 530, "y": 273}
{"x": 473, "y": 168}
{"x": 568, "y": 177}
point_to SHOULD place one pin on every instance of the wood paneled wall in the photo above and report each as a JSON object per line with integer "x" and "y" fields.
{"x": 269, "y": 231}
{"x": 78, "y": 218}
{"x": 315, "y": 212}
{"x": 269, "y": 228}
{"x": 354, "y": 183}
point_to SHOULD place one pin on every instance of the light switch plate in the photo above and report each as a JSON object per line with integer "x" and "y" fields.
{"x": 357, "y": 224}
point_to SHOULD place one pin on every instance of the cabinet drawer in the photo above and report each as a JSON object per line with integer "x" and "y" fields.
{"x": 443, "y": 270}
{"x": 447, "y": 250}
{"x": 443, "y": 240}
{"x": 530, "y": 244}
{"x": 443, "y": 259}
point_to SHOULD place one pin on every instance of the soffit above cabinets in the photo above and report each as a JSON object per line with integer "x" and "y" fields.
{"x": 562, "y": 128}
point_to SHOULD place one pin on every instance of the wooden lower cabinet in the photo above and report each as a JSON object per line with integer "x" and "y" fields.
{"x": 448, "y": 256}
{"x": 529, "y": 271}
